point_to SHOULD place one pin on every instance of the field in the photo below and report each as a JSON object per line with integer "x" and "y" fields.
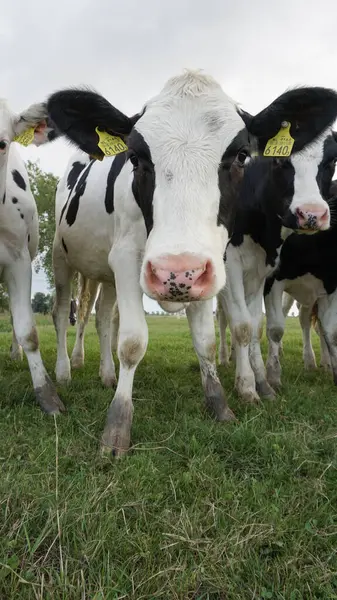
{"x": 198, "y": 510}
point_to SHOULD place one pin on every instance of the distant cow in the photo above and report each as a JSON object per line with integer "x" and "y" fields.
{"x": 307, "y": 270}
{"x": 150, "y": 219}
{"x": 19, "y": 242}
{"x": 271, "y": 186}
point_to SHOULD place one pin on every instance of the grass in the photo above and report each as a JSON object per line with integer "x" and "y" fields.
{"x": 198, "y": 510}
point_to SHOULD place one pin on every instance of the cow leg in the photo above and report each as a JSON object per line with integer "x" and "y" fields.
{"x": 18, "y": 277}
{"x": 327, "y": 310}
{"x": 201, "y": 322}
{"x": 255, "y": 308}
{"x": 105, "y": 306}
{"x": 223, "y": 348}
{"x": 325, "y": 361}
{"x": 115, "y": 327}
{"x": 275, "y": 330}
{"x": 308, "y": 352}
{"x": 132, "y": 344}
{"x": 86, "y": 302}
{"x": 15, "y": 349}
{"x": 63, "y": 276}
{"x": 233, "y": 302}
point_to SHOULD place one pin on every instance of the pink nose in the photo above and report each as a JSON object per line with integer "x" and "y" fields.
{"x": 313, "y": 217}
{"x": 180, "y": 278}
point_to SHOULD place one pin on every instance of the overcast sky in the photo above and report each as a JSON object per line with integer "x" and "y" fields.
{"x": 128, "y": 49}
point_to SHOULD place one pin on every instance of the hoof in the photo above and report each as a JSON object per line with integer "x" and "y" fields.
{"x": 310, "y": 366}
{"x": 265, "y": 390}
{"x": 48, "y": 399}
{"x": 215, "y": 400}
{"x": 116, "y": 435}
{"x": 248, "y": 396}
{"x": 16, "y": 354}
{"x": 108, "y": 379}
{"x": 77, "y": 362}
{"x": 326, "y": 367}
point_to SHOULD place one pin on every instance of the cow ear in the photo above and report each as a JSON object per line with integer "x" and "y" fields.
{"x": 308, "y": 110}
{"x": 34, "y": 127}
{"x": 80, "y": 114}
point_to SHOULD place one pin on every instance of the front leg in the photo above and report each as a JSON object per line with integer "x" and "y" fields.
{"x": 16, "y": 349}
{"x": 222, "y": 322}
{"x": 255, "y": 308}
{"x": 201, "y": 322}
{"x": 275, "y": 329}
{"x": 18, "y": 277}
{"x": 132, "y": 344}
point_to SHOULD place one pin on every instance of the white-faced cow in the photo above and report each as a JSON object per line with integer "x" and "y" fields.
{"x": 277, "y": 194}
{"x": 19, "y": 242}
{"x": 149, "y": 219}
{"x": 307, "y": 270}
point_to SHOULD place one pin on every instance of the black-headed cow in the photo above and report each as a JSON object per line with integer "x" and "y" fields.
{"x": 149, "y": 220}
{"x": 277, "y": 195}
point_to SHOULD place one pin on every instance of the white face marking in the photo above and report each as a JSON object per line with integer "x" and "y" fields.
{"x": 306, "y": 163}
{"x": 188, "y": 127}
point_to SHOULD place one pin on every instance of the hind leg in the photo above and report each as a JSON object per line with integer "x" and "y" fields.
{"x": 88, "y": 292}
{"x": 105, "y": 304}
{"x": 308, "y": 352}
{"x": 63, "y": 276}
{"x": 15, "y": 349}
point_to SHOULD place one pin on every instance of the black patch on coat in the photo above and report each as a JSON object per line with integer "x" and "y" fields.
{"x": 79, "y": 191}
{"x": 115, "y": 169}
{"x": 4, "y": 198}
{"x": 14, "y": 200}
{"x": 74, "y": 173}
{"x": 22, "y": 216}
{"x": 144, "y": 180}
{"x": 19, "y": 180}
{"x": 64, "y": 246}
{"x": 262, "y": 205}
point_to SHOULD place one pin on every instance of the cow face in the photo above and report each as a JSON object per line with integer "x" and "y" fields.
{"x": 179, "y": 148}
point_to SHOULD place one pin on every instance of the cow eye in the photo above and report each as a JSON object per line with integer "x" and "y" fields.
{"x": 3, "y": 145}
{"x": 242, "y": 156}
{"x": 134, "y": 160}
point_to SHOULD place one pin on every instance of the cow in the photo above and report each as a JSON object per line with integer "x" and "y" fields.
{"x": 260, "y": 220}
{"x": 19, "y": 234}
{"x": 149, "y": 220}
{"x": 308, "y": 320}
{"x": 307, "y": 270}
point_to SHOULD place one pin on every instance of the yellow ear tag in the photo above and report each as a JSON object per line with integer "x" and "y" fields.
{"x": 26, "y": 137}
{"x": 109, "y": 144}
{"x": 281, "y": 144}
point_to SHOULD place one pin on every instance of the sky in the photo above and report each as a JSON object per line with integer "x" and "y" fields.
{"x": 127, "y": 50}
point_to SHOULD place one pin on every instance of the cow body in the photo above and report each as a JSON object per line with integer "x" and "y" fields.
{"x": 259, "y": 223}
{"x": 307, "y": 270}
{"x": 18, "y": 246}
{"x": 149, "y": 220}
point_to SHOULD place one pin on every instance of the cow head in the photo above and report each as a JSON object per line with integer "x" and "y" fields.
{"x": 182, "y": 150}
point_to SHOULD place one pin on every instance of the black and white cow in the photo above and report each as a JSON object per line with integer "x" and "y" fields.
{"x": 149, "y": 220}
{"x": 307, "y": 270}
{"x": 308, "y": 320}
{"x": 259, "y": 220}
{"x": 19, "y": 241}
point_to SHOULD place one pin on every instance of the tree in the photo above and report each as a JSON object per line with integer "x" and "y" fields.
{"x": 42, "y": 303}
{"x": 4, "y": 301}
{"x": 43, "y": 187}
